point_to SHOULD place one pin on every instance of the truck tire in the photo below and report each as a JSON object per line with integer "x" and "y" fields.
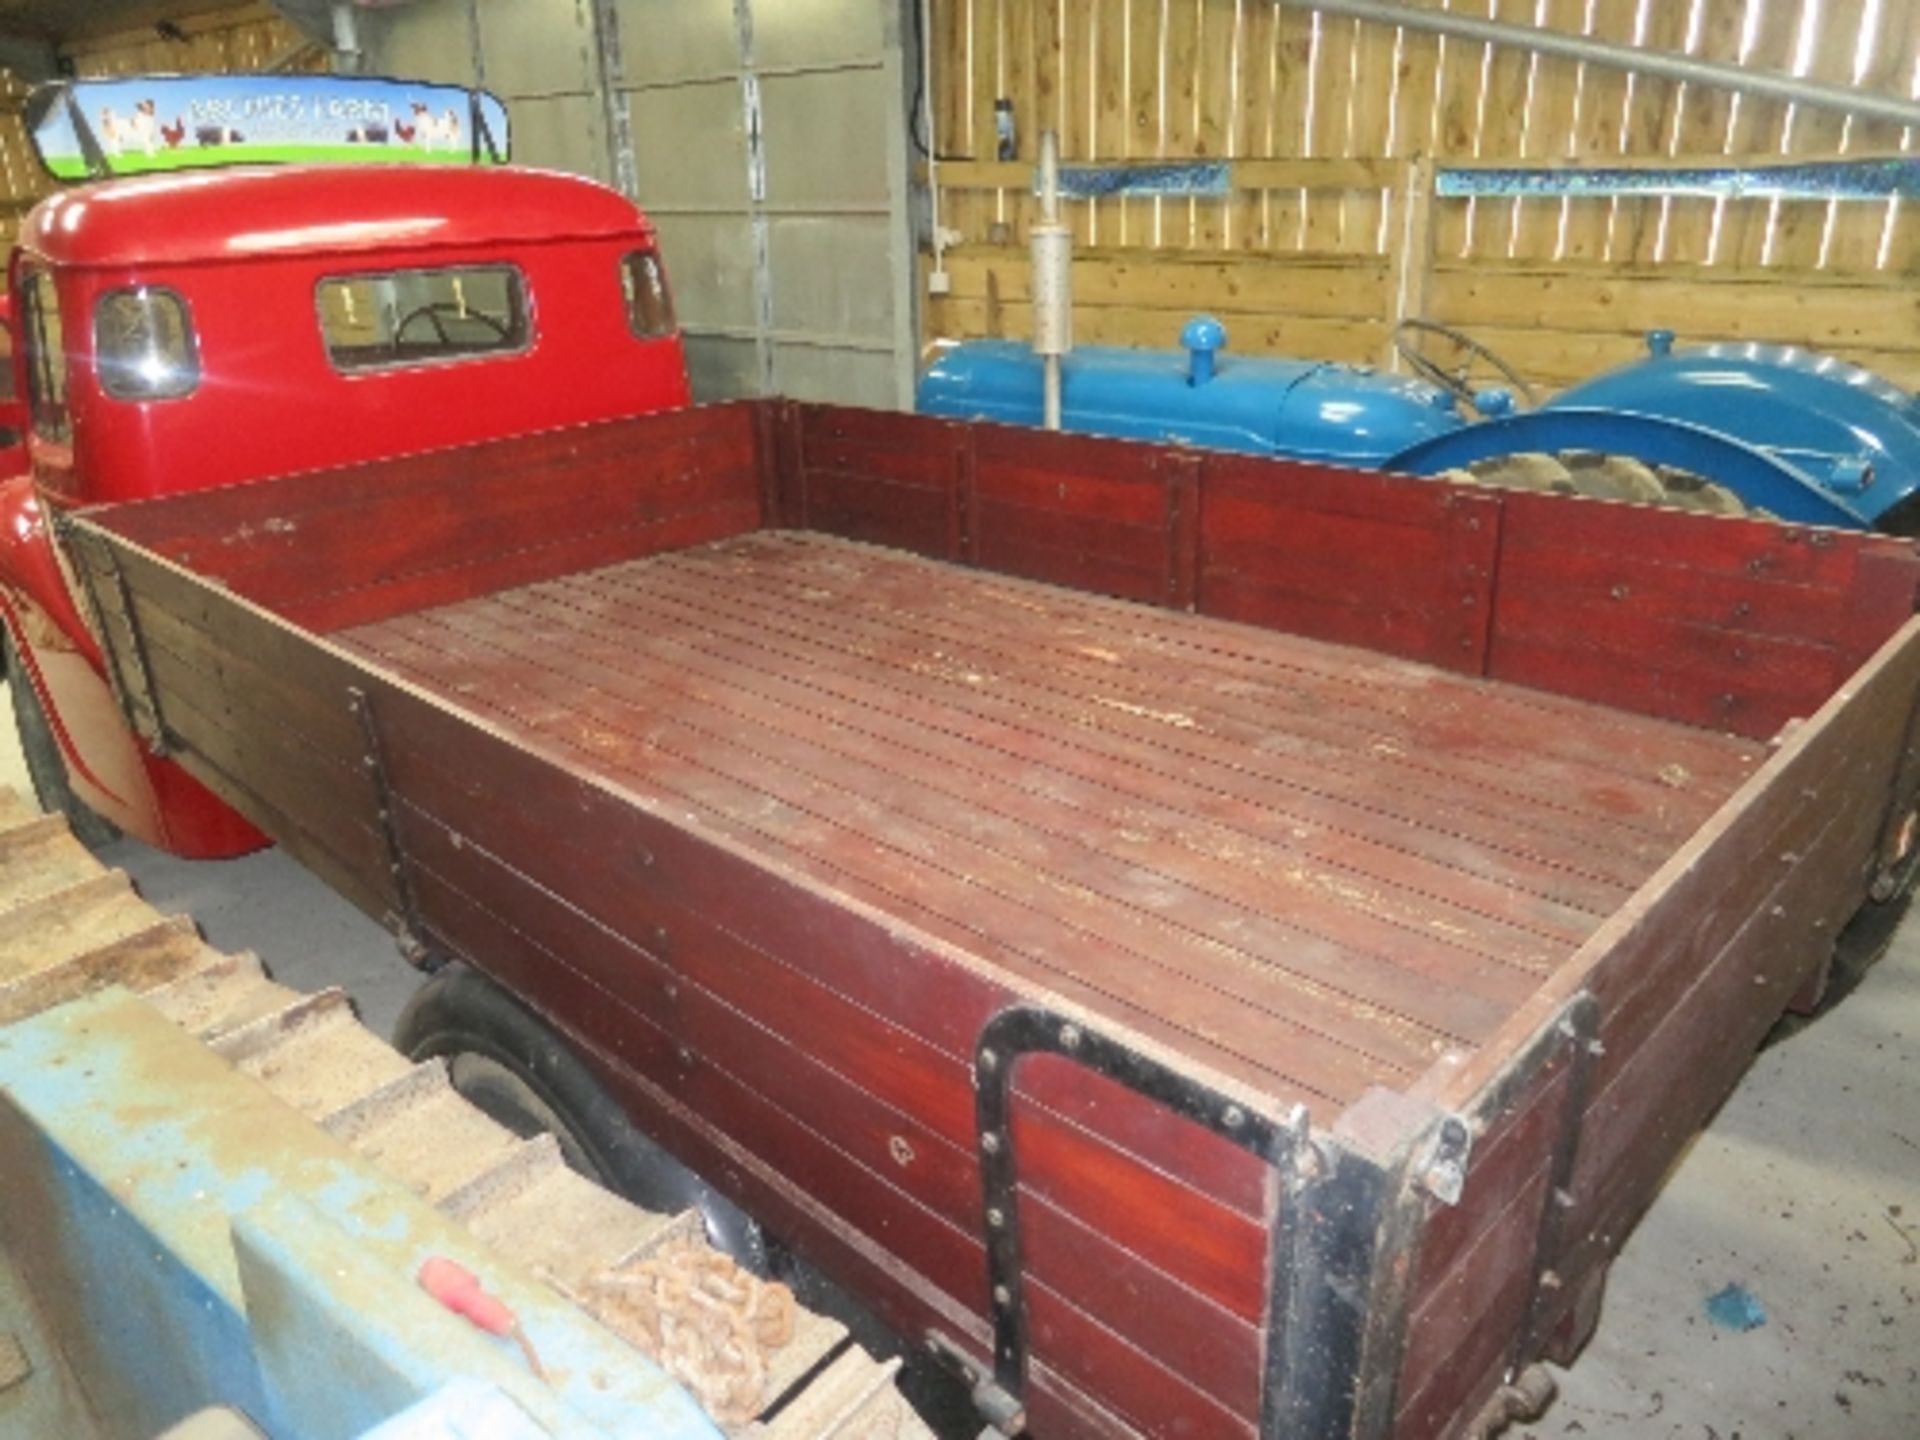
{"x": 46, "y": 767}
{"x": 519, "y": 1072}
{"x": 527, "y": 1078}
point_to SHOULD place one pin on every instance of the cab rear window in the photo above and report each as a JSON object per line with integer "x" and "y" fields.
{"x": 403, "y": 318}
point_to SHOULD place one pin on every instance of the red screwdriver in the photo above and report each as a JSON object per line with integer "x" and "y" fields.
{"x": 460, "y": 1290}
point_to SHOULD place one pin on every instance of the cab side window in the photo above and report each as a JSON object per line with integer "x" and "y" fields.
{"x": 46, "y": 358}
{"x": 649, "y": 306}
{"x": 143, "y": 345}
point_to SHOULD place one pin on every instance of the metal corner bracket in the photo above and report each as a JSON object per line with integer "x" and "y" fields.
{"x": 1023, "y": 1030}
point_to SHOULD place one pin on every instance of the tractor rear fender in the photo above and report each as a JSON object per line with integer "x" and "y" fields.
{"x": 1760, "y": 479}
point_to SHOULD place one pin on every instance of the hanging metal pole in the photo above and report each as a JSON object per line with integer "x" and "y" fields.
{"x": 1764, "y": 84}
{"x": 1052, "y": 282}
{"x": 939, "y": 284}
{"x": 609, "y": 70}
{"x": 346, "y": 40}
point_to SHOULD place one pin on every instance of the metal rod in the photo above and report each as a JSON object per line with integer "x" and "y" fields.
{"x": 1766, "y": 84}
{"x": 928, "y": 120}
{"x": 1052, "y": 303}
{"x": 1049, "y": 178}
{"x": 609, "y": 71}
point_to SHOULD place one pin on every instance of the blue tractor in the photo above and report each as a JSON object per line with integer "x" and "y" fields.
{"x": 1731, "y": 428}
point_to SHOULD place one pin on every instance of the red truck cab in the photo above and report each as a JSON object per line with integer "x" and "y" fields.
{"x": 182, "y": 331}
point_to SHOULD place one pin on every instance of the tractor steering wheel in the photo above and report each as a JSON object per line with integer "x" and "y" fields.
{"x": 1467, "y": 352}
{"x": 433, "y": 310}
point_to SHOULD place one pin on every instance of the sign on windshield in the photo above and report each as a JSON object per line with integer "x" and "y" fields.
{"x": 90, "y": 129}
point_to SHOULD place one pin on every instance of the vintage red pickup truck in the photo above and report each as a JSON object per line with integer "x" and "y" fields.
{"x": 1205, "y": 946}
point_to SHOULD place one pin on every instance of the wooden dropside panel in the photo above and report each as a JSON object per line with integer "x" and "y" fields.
{"x": 817, "y": 1038}
{"x": 1078, "y": 511}
{"x": 1726, "y": 624}
{"x": 1681, "y": 1006}
{"x": 259, "y": 716}
{"x": 1734, "y": 625}
{"x": 334, "y": 548}
{"x": 1738, "y": 936}
{"x": 1134, "y": 1291}
{"x": 1678, "y": 1024}
{"x": 894, "y": 480}
{"x": 1689, "y": 977}
{"x": 747, "y": 998}
{"x": 1395, "y": 565}
{"x": 1476, "y": 1264}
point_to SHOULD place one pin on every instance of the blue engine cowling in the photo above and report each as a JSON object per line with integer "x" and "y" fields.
{"x": 1308, "y": 410}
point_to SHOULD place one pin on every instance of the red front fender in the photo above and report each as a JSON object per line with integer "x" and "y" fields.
{"x": 148, "y": 797}
{"x": 30, "y": 571}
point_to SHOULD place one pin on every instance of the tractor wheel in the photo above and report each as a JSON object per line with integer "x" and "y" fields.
{"x": 1696, "y": 493}
{"x": 46, "y": 766}
{"x": 1614, "y": 477}
{"x": 1530, "y": 470}
{"x": 1601, "y": 476}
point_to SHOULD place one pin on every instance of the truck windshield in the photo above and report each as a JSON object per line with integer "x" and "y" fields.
{"x": 416, "y": 317}
{"x": 46, "y": 357}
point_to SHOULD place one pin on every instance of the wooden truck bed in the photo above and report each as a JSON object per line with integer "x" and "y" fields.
{"x": 1228, "y": 946}
{"x": 1307, "y": 867}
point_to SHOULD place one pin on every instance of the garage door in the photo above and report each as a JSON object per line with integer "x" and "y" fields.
{"x": 766, "y": 138}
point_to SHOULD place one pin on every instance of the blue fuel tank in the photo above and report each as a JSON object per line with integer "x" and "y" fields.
{"x": 1309, "y": 410}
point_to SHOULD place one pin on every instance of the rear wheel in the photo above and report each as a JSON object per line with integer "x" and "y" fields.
{"x": 519, "y": 1072}
{"x": 46, "y": 766}
{"x": 516, "y": 1070}
{"x": 1603, "y": 477}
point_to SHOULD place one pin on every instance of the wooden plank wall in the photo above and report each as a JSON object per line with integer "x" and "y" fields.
{"x": 1332, "y": 125}
{"x": 236, "y": 38}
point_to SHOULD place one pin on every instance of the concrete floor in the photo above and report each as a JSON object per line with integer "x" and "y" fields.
{"x": 265, "y": 903}
{"x": 1805, "y": 1191}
